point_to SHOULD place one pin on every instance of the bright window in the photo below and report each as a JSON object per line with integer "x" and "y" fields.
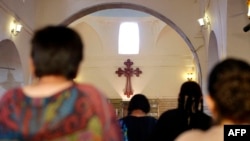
{"x": 128, "y": 38}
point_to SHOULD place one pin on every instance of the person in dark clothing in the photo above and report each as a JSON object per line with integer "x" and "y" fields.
{"x": 137, "y": 125}
{"x": 228, "y": 100}
{"x": 188, "y": 115}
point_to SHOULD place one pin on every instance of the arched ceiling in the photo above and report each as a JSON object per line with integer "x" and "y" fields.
{"x": 160, "y": 47}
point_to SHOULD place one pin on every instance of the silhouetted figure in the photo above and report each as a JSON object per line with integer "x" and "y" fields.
{"x": 137, "y": 125}
{"x": 188, "y": 115}
{"x": 228, "y": 99}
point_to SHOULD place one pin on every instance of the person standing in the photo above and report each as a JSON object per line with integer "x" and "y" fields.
{"x": 228, "y": 99}
{"x": 55, "y": 107}
{"x": 188, "y": 115}
{"x": 137, "y": 125}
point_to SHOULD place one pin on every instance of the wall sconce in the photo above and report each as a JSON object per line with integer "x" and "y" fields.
{"x": 201, "y": 21}
{"x": 204, "y": 21}
{"x": 248, "y": 6}
{"x": 16, "y": 28}
{"x": 247, "y": 27}
{"x": 190, "y": 76}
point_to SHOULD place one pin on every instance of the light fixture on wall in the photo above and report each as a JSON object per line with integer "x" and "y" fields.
{"x": 16, "y": 28}
{"x": 204, "y": 21}
{"x": 247, "y": 27}
{"x": 190, "y": 76}
{"x": 248, "y": 7}
{"x": 201, "y": 21}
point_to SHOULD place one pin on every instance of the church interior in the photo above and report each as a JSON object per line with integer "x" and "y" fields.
{"x": 173, "y": 46}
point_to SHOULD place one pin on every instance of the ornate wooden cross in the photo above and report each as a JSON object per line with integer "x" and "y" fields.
{"x": 128, "y": 72}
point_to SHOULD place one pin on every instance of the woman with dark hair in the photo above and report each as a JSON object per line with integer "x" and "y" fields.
{"x": 228, "y": 100}
{"x": 188, "y": 115}
{"x": 137, "y": 125}
{"x": 55, "y": 107}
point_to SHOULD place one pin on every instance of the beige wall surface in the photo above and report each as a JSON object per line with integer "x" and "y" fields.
{"x": 164, "y": 57}
{"x": 23, "y": 13}
{"x": 183, "y": 15}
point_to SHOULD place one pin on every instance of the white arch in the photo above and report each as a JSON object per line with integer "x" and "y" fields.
{"x": 11, "y": 74}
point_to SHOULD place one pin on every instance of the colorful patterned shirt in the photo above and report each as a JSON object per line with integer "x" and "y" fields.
{"x": 77, "y": 113}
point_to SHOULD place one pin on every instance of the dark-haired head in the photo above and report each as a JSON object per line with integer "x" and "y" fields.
{"x": 139, "y": 101}
{"x": 190, "y": 97}
{"x": 56, "y": 50}
{"x": 229, "y": 89}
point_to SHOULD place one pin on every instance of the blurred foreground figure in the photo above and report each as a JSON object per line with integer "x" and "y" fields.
{"x": 228, "y": 99}
{"x": 55, "y": 107}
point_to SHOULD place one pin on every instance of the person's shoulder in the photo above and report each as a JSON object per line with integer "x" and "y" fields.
{"x": 87, "y": 87}
{"x": 95, "y": 98}
{"x": 203, "y": 116}
{"x": 13, "y": 90}
{"x": 151, "y": 118}
{"x": 123, "y": 118}
{"x": 172, "y": 112}
{"x": 90, "y": 90}
{"x": 10, "y": 93}
{"x": 215, "y": 133}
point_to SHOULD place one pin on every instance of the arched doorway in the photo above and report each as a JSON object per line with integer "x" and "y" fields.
{"x": 94, "y": 35}
{"x": 99, "y": 7}
{"x": 10, "y": 66}
{"x": 213, "y": 58}
{"x": 212, "y": 51}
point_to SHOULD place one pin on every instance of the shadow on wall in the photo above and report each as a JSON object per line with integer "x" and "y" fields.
{"x": 11, "y": 74}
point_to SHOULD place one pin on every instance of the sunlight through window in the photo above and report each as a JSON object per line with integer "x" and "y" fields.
{"x": 128, "y": 38}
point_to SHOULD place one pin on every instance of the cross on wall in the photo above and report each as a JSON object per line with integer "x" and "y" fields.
{"x": 128, "y": 72}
